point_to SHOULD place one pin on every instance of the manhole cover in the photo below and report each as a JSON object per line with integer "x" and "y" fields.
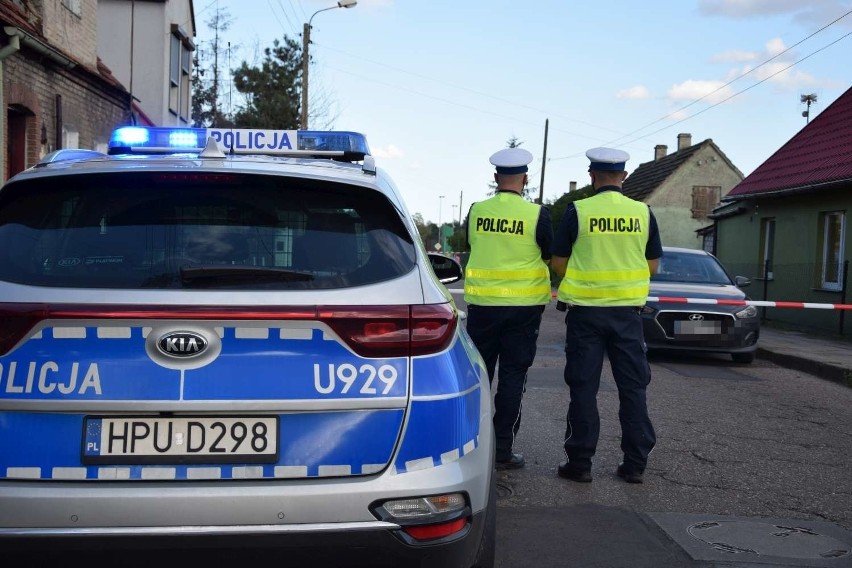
{"x": 766, "y": 539}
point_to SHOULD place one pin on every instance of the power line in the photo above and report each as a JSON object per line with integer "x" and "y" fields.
{"x": 461, "y": 88}
{"x": 454, "y": 103}
{"x": 702, "y": 111}
{"x": 294, "y": 26}
{"x": 275, "y": 14}
{"x": 752, "y": 70}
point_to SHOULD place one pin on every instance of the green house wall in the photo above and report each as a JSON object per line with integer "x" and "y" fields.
{"x": 797, "y": 254}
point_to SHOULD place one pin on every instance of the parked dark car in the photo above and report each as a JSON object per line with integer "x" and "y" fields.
{"x": 711, "y": 327}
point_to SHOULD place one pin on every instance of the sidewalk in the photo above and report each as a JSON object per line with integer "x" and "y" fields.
{"x": 821, "y": 356}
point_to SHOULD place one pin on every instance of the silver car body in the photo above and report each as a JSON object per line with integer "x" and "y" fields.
{"x": 384, "y": 428}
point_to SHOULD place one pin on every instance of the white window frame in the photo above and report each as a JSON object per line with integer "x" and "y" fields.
{"x": 841, "y": 253}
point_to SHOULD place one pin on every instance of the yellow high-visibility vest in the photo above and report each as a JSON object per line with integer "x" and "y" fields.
{"x": 505, "y": 266}
{"x": 607, "y": 266}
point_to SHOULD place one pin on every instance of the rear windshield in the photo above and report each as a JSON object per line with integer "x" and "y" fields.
{"x": 188, "y": 230}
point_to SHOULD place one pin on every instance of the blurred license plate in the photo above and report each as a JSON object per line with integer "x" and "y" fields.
{"x": 196, "y": 439}
{"x": 697, "y": 327}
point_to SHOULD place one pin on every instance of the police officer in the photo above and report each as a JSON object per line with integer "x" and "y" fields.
{"x": 606, "y": 247}
{"x": 507, "y": 285}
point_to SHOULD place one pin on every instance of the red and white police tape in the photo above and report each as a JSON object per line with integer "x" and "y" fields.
{"x": 766, "y": 303}
{"x": 723, "y": 302}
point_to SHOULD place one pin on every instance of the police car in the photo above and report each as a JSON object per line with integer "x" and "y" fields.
{"x": 235, "y": 336}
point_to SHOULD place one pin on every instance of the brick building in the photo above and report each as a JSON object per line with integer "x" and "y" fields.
{"x": 56, "y": 92}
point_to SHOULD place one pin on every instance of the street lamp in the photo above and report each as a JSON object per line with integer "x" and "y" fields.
{"x": 454, "y": 206}
{"x": 306, "y": 40}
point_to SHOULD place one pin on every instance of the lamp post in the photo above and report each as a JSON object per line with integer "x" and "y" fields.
{"x": 306, "y": 41}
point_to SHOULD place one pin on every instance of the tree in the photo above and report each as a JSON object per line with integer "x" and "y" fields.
{"x": 271, "y": 91}
{"x": 207, "y": 84}
{"x": 558, "y": 206}
{"x": 513, "y": 142}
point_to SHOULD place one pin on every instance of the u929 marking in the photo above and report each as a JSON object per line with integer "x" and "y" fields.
{"x": 341, "y": 378}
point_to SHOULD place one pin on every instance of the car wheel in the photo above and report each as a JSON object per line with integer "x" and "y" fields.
{"x": 485, "y": 558}
{"x": 743, "y": 357}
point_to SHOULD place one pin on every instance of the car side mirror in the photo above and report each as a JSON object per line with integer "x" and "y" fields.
{"x": 742, "y": 281}
{"x": 446, "y": 269}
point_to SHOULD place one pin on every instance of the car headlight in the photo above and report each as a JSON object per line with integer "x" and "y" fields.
{"x": 648, "y": 310}
{"x": 747, "y": 312}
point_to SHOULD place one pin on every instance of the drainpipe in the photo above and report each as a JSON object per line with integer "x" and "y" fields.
{"x": 5, "y": 51}
{"x": 13, "y": 46}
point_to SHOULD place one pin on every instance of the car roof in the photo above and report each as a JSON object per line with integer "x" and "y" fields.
{"x": 297, "y": 158}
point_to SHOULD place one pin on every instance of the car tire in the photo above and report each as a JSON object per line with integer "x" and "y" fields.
{"x": 743, "y": 357}
{"x": 486, "y": 556}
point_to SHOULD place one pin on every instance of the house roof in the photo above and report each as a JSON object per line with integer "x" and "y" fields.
{"x": 650, "y": 175}
{"x": 818, "y": 156}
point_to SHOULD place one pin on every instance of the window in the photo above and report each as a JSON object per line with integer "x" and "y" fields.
{"x": 73, "y": 6}
{"x": 767, "y": 246}
{"x": 704, "y": 199}
{"x": 184, "y": 83}
{"x": 139, "y": 230}
{"x": 834, "y": 229}
{"x": 180, "y": 59}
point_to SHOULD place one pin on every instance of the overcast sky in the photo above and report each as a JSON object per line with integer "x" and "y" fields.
{"x": 439, "y": 85}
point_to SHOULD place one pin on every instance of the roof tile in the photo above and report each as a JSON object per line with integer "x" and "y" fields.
{"x": 819, "y": 154}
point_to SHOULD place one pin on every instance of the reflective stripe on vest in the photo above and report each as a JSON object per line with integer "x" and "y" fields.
{"x": 505, "y": 266}
{"x": 607, "y": 266}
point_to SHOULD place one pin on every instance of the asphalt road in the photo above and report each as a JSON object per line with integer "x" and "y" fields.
{"x": 752, "y": 467}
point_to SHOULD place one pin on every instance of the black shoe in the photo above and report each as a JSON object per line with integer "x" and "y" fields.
{"x": 629, "y": 475}
{"x": 574, "y": 473}
{"x": 515, "y": 461}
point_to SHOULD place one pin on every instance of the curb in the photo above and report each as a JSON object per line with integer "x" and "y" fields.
{"x": 833, "y": 373}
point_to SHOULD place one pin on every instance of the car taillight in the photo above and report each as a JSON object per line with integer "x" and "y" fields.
{"x": 373, "y": 331}
{"x": 370, "y": 331}
{"x": 433, "y": 327}
{"x": 15, "y": 321}
{"x": 393, "y": 331}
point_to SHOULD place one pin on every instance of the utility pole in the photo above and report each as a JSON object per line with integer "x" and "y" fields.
{"x": 543, "y": 164}
{"x": 214, "y": 103}
{"x": 809, "y": 99}
{"x": 306, "y": 40}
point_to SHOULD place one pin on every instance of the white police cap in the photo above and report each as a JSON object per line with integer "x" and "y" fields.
{"x": 510, "y": 161}
{"x": 607, "y": 159}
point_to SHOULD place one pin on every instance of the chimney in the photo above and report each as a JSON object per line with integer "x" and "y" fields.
{"x": 660, "y": 151}
{"x": 684, "y": 141}
{"x": 572, "y": 186}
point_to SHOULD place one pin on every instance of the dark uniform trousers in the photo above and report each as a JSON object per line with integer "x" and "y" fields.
{"x": 507, "y": 334}
{"x": 616, "y": 331}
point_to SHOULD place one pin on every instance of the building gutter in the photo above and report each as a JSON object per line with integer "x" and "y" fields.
{"x": 726, "y": 214}
{"x": 837, "y": 183}
{"x": 19, "y": 36}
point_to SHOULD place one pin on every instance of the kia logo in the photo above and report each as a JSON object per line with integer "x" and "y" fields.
{"x": 695, "y": 317}
{"x": 65, "y": 262}
{"x": 182, "y": 344}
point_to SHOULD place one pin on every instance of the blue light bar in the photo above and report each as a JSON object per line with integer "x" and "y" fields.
{"x": 161, "y": 140}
